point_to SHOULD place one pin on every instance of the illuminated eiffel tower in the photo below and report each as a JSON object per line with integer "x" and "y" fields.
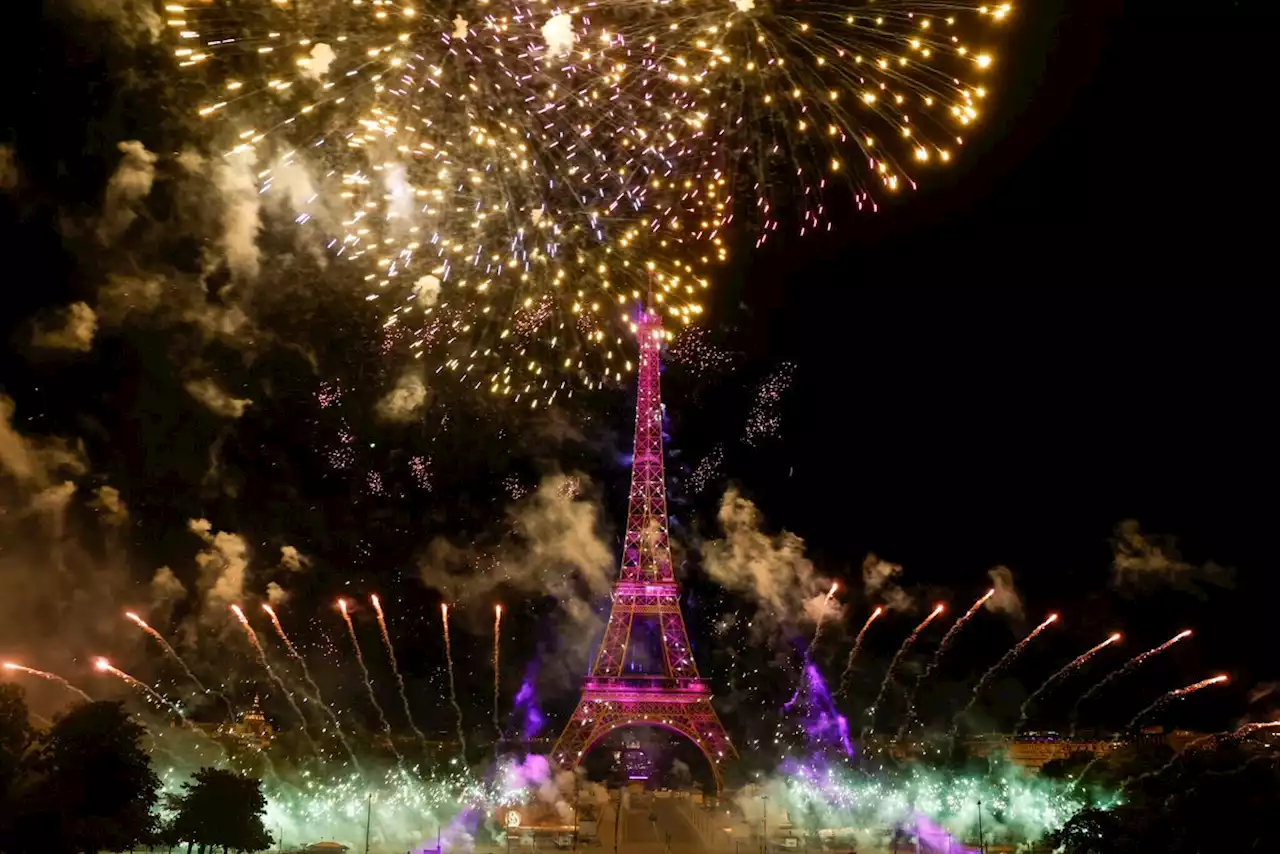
{"x": 675, "y": 697}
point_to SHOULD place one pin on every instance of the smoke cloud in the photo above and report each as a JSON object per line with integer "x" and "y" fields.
{"x": 215, "y": 399}
{"x": 404, "y": 402}
{"x": 1006, "y": 599}
{"x": 559, "y": 35}
{"x": 72, "y": 329}
{"x": 769, "y": 569}
{"x": 8, "y": 169}
{"x": 126, "y": 189}
{"x": 293, "y": 560}
{"x": 110, "y": 506}
{"x": 1143, "y": 561}
{"x": 135, "y": 21}
{"x": 241, "y": 215}
{"x": 427, "y": 290}
{"x": 879, "y": 582}
{"x": 223, "y": 565}
{"x": 36, "y": 461}
{"x": 317, "y": 64}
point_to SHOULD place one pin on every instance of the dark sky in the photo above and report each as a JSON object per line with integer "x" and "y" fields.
{"x": 1061, "y": 333}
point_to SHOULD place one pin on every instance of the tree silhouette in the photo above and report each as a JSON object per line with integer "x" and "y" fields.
{"x": 15, "y": 738}
{"x": 221, "y": 808}
{"x": 92, "y": 787}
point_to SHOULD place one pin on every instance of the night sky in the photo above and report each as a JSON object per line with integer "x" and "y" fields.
{"x": 1059, "y": 334}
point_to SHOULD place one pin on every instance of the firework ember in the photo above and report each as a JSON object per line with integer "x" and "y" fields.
{"x": 1175, "y": 694}
{"x": 497, "y": 659}
{"x": 364, "y": 671}
{"x": 1128, "y": 667}
{"x": 1062, "y": 673}
{"x": 999, "y": 667}
{"x": 395, "y": 666}
{"x": 103, "y": 665}
{"x": 453, "y": 691}
{"x": 937, "y": 657}
{"x": 52, "y": 677}
{"x": 168, "y": 649}
{"x": 857, "y": 647}
{"x": 893, "y": 663}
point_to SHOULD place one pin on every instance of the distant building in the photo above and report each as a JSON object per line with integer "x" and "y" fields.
{"x": 252, "y": 729}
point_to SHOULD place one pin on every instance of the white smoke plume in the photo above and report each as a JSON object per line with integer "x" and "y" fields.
{"x": 404, "y": 402}
{"x": 744, "y": 6}
{"x": 427, "y": 289}
{"x": 1006, "y": 599}
{"x": 33, "y": 461}
{"x": 770, "y": 569}
{"x": 110, "y": 506}
{"x": 215, "y": 399}
{"x": 559, "y": 35}
{"x": 879, "y": 582}
{"x": 73, "y": 329}
{"x": 136, "y": 21}
{"x": 399, "y": 191}
{"x": 276, "y": 594}
{"x": 223, "y": 565}
{"x": 241, "y": 214}
{"x": 460, "y": 27}
{"x": 294, "y": 560}
{"x": 316, "y": 66}
{"x": 1146, "y": 561}
{"x": 172, "y": 301}
{"x": 130, "y": 184}
{"x": 166, "y": 591}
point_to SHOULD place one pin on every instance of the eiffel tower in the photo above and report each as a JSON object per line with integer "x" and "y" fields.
{"x": 674, "y": 697}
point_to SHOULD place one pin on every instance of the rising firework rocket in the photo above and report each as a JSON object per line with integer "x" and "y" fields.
{"x": 453, "y": 692}
{"x": 902, "y": 650}
{"x": 817, "y": 631}
{"x": 273, "y": 676}
{"x": 52, "y": 677}
{"x": 368, "y": 682}
{"x": 497, "y": 652}
{"x": 311, "y": 683}
{"x": 164, "y": 645}
{"x": 1061, "y": 674}
{"x": 1129, "y": 666}
{"x": 395, "y": 666}
{"x": 102, "y": 665}
{"x": 999, "y": 666}
{"x": 1174, "y": 695}
{"x": 937, "y": 657}
{"x": 857, "y": 647}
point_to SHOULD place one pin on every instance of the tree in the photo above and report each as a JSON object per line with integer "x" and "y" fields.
{"x": 94, "y": 789}
{"x": 15, "y": 738}
{"x": 222, "y": 808}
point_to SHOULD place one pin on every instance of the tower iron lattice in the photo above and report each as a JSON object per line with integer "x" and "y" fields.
{"x": 676, "y": 698}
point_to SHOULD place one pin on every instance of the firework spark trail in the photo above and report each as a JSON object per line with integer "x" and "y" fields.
{"x": 102, "y": 665}
{"x": 368, "y": 681}
{"x": 947, "y": 639}
{"x": 453, "y": 693}
{"x": 168, "y": 649}
{"x": 311, "y": 683}
{"x": 817, "y": 630}
{"x": 497, "y": 660}
{"x": 1061, "y": 674}
{"x": 52, "y": 677}
{"x": 1247, "y": 729}
{"x": 998, "y": 667}
{"x": 857, "y": 647}
{"x": 897, "y": 657}
{"x": 273, "y": 676}
{"x": 395, "y": 666}
{"x": 1129, "y": 666}
{"x": 1174, "y": 695}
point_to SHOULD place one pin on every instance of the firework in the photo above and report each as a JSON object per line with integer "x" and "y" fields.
{"x": 311, "y": 683}
{"x": 453, "y": 691}
{"x": 52, "y": 677}
{"x": 765, "y": 417}
{"x": 1175, "y": 694}
{"x": 937, "y": 657}
{"x": 273, "y": 676}
{"x": 998, "y": 667}
{"x": 395, "y": 666}
{"x": 1128, "y": 667}
{"x": 1061, "y": 674}
{"x": 503, "y": 184}
{"x": 897, "y": 657}
{"x": 102, "y": 665}
{"x": 857, "y": 647}
{"x": 822, "y": 613}
{"x": 168, "y": 649}
{"x": 497, "y": 672}
{"x": 368, "y": 681}
{"x": 1190, "y": 746}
